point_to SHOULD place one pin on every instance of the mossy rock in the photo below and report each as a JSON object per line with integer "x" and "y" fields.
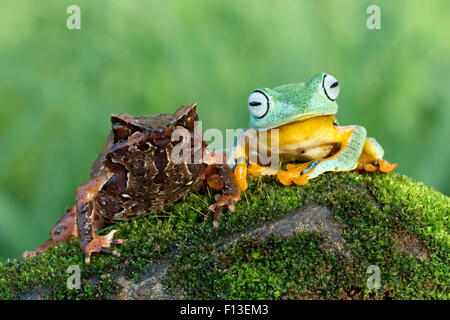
{"x": 316, "y": 241}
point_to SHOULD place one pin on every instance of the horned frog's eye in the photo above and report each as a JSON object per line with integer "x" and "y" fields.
{"x": 258, "y": 104}
{"x": 331, "y": 87}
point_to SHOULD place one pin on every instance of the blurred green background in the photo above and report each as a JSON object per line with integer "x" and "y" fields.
{"x": 58, "y": 86}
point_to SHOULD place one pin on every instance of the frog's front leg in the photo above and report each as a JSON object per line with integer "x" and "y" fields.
{"x": 221, "y": 177}
{"x": 346, "y": 159}
{"x": 89, "y": 241}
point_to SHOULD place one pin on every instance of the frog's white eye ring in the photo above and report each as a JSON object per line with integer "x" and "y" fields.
{"x": 331, "y": 87}
{"x": 258, "y": 104}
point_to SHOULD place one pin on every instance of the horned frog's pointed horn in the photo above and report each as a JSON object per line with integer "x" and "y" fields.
{"x": 123, "y": 125}
{"x": 185, "y": 111}
{"x": 186, "y": 115}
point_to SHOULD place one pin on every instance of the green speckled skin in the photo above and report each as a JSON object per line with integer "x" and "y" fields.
{"x": 301, "y": 101}
{"x": 290, "y": 101}
{"x": 379, "y": 149}
{"x": 347, "y": 159}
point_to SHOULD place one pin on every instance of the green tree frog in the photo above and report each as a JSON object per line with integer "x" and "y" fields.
{"x": 310, "y": 141}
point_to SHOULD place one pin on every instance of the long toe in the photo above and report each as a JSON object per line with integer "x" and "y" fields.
{"x": 284, "y": 177}
{"x": 300, "y": 180}
{"x": 386, "y": 166}
{"x": 100, "y": 244}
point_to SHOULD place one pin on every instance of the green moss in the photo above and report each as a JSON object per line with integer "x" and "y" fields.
{"x": 373, "y": 208}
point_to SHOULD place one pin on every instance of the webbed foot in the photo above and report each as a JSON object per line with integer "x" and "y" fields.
{"x": 64, "y": 230}
{"x": 40, "y": 250}
{"x": 385, "y": 166}
{"x": 223, "y": 178}
{"x": 100, "y": 244}
{"x": 223, "y": 201}
{"x": 296, "y": 173}
{"x": 380, "y": 165}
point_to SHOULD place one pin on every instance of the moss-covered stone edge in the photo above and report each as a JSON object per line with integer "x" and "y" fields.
{"x": 374, "y": 208}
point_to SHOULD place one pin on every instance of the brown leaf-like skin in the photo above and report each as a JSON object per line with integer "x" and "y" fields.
{"x": 136, "y": 174}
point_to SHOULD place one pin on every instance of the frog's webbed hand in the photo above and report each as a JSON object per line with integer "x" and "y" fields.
{"x": 241, "y": 163}
{"x": 346, "y": 159}
{"x": 221, "y": 177}
{"x": 64, "y": 230}
{"x": 89, "y": 241}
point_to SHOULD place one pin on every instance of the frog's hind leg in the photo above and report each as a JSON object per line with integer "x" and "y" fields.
{"x": 221, "y": 177}
{"x": 86, "y": 220}
{"x": 64, "y": 230}
{"x": 346, "y": 159}
{"x": 371, "y": 158}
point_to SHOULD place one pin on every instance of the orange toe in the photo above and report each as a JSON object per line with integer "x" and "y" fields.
{"x": 240, "y": 172}
{"x": 284, "y": 177}
{"x": 300, "y": 180}
{"x": 254, "y": 169}
{"x": 386, "y": 166}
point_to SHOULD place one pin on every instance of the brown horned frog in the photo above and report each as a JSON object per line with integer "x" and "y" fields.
{"x": 136, "y": 174}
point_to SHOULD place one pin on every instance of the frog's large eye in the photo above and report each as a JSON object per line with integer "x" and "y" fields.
{"x": 258, "y": 104}
{"x": 331, "y": 87}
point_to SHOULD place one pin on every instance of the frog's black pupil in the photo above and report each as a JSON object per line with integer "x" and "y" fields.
{"x": 334, "y": 85}
{"x": 254, "y": 103}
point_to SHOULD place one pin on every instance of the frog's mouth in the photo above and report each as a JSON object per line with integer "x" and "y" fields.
{"x": 303, "y": 117}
